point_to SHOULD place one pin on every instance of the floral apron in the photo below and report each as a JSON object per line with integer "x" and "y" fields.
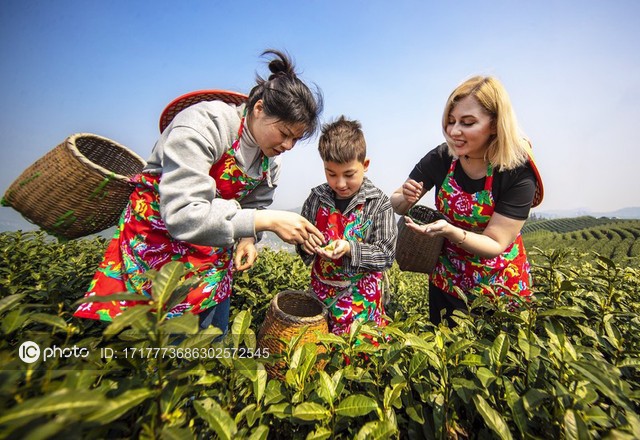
{"x": 506, "y": 274}
{"x": 351, "y": 296}
{"x": 142, "y": 243}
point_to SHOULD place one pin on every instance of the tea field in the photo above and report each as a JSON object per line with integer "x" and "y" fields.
{"x": 565, "y": 365}
{"x": 612, "y": 238}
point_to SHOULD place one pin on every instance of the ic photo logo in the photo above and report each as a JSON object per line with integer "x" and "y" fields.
{"x": 29, "y": 352}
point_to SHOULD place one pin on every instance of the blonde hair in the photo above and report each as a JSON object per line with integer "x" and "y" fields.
{"x": 506, "y": 149}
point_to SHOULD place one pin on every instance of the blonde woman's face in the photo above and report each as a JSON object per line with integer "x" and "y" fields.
{"x": 469, "y": 128}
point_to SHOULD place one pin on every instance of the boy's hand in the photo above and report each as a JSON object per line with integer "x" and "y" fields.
{"x": 309, "y": 245}
{"x": 246, "y": 254}
{"x": 335, "y": 249}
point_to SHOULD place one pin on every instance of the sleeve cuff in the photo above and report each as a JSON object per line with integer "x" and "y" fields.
{"x": 243, "y": 223}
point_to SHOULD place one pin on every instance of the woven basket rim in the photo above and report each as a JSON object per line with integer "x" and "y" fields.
{"x": 71, "y": 145}
{"x": 415, "y": 208}
{"x": 166, "y": 116}
{"x": 300, "y": 319}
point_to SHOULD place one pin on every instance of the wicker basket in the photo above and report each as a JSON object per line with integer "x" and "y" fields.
{"x": 78, "y": 188}
{"x": 418, "y": 252}
{"x": 184, "y": 101}
{"x": 290, "y": 311}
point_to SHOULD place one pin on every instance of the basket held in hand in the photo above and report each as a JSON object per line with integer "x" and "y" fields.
{"x": 417, "y": 252}
{"x": 289, "y": 312}
{"x": 78, "y": 188}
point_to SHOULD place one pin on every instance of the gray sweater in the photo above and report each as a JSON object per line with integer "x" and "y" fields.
{"x": 197, "y": 137}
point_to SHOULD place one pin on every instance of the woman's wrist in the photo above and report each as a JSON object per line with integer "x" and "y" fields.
{"x": 462, "y": 238}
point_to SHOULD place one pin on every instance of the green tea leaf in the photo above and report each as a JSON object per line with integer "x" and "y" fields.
{"x": 310, "y": 411}
{"x": 165, "y": 281}
{"x": 574, "y": 427}
{"x": 458, "y": 347}
{"x": 492, "y": 418}
{"x": 417, "y": 364}
{"x": 78, "y": 401}
{"x": 320, "y": 433}
{"x": 13, "y": 321}
{"x": 52, "y": 320}
{"x": 175, "y": 433}
{"x": 282, "y": 410}
{"x": 128, "y": 318}
{"x": 260, "y": 433}
{"x": 392, "y": 396}
{"x": 274, "y": 392}
{"x": 217, "y": 418}
{"x": 356, "y": 405}
{"x": 486, "y": 376}
{"x": 564, "y": 312}
{"x": 325, "y": 388}
{"x": 514, "y": 401}
{"x": 500, "y": 348}
{"x": 240, "y": 325}
{"x": 8, "y": 302}
{"x": 533, "y": 398}
{"x": 186, "y": 324}
{"x": 115, "y": 408}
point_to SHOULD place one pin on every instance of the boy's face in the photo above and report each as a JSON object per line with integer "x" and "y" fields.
{"x": 345, "y": 178}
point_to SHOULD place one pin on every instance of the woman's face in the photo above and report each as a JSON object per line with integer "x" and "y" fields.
{"x": 469, "y": 128}
{"x": 273, "y": 135}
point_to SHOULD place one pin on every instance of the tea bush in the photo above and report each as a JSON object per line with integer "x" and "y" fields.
{"x": 564, "y": 365}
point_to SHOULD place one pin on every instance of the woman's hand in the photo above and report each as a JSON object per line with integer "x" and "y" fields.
{"x": 245, "y": 254}
{"x": 292, "y": 228}
{"x": 412, "y": 191}
{"x": 334, "y": 250}
{"x": 494, "y": 239}
{"x": 406, "y": 196}
{"x": 435, "y": 229}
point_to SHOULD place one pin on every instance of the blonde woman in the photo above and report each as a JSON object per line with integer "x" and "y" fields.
{"x": 485, "y": 184}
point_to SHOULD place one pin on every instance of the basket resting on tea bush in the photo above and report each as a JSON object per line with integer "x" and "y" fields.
{"x": 563, "y": 366}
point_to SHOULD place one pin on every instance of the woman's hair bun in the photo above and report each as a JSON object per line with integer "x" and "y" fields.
{"x": 280, "y": 65}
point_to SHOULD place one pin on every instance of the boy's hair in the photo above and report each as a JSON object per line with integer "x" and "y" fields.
{"x": 342, "y": 141}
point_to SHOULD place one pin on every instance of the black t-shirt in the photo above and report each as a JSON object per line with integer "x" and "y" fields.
{"x": 342, "y": 204}
{"x": 512, "y": 190}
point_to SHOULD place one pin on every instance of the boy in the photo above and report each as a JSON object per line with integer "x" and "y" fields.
{"x": 359, "y": 226}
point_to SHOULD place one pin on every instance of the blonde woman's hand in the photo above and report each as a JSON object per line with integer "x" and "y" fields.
{"x": 435, "y": 229}
{"x": 246, "y": 254}
{"x": 412, "y": 191}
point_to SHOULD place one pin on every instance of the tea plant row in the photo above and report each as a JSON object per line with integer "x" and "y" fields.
{"x": 565, "y": 365}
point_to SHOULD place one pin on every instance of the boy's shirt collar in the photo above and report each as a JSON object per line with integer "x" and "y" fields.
{"x": 327, "y": 195}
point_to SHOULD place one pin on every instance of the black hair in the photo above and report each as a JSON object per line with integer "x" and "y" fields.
{"x": 285, "y": 97}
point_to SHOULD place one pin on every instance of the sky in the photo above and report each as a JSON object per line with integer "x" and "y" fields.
{"x": 572, "y": 70}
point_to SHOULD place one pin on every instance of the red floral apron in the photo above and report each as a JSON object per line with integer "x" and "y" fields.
{"x": 506, "y": 274}
{"x": 351, "y": 296}
{"x": 142, "y": 243}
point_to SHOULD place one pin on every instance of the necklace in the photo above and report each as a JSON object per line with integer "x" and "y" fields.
{"x": 467, "y": 157}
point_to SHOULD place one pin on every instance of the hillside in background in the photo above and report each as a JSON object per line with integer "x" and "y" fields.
{"x": 632, "y": 212}
{"x": 571, "y": 224}
{"x": 616, "y": 239}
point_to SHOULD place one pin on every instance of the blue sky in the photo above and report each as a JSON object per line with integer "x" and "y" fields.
{"x": 110, "y": 67}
